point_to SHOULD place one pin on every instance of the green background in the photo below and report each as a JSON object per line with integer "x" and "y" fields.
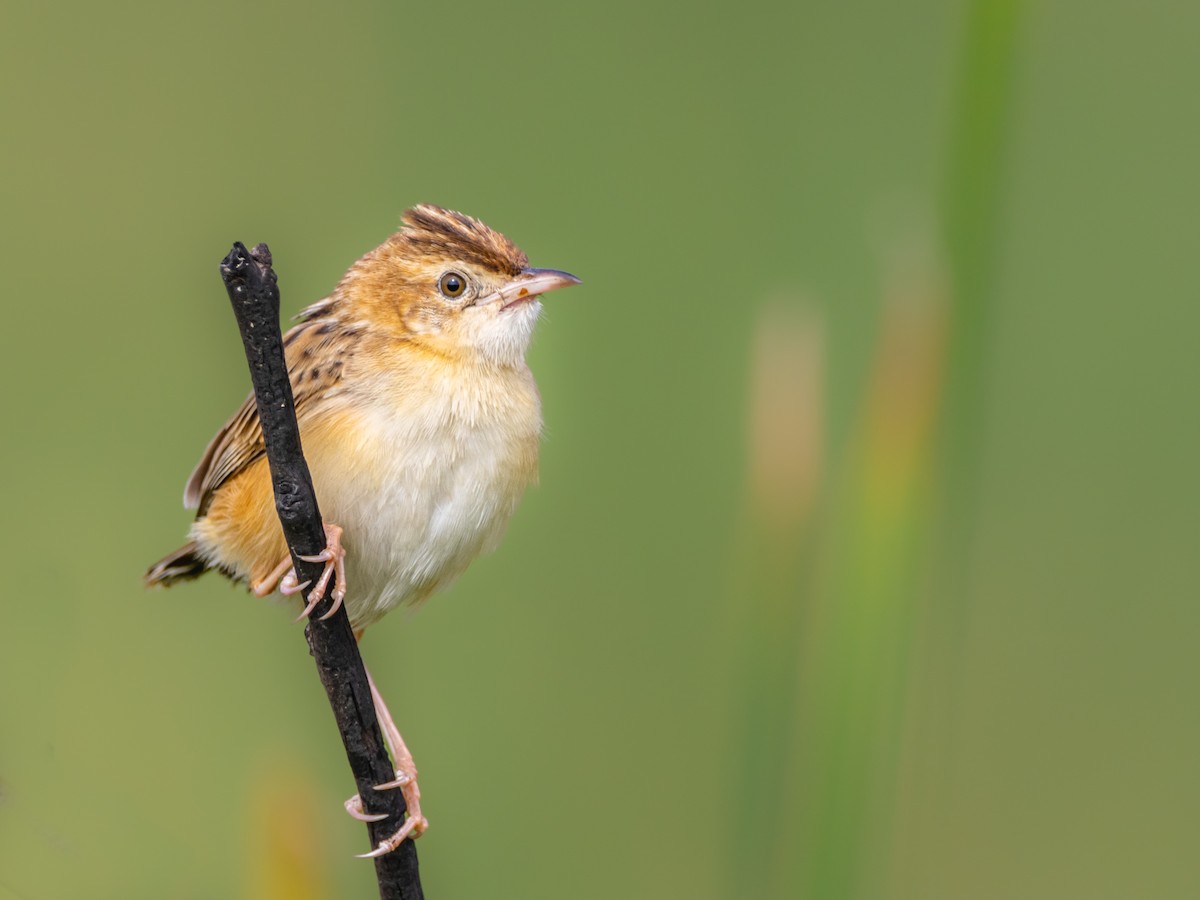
{"x": 864, "y": 558}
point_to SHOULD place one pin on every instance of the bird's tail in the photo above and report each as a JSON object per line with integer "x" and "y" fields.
{"x": 182, "y": 565}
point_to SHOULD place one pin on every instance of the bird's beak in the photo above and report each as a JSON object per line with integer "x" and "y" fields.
{"x": 531, "y": 283}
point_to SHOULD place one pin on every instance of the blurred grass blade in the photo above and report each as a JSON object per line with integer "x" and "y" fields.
{"x": 785, "y": 444}
{"x": 971, "y": 211}
{"x": 856, "y": 655}
{"x": 285, "y": 847}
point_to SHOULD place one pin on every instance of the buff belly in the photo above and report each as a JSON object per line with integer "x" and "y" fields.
{"x": 428, "y": 492}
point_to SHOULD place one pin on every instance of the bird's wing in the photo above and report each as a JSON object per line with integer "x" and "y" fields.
{"x": 240, "y": 440}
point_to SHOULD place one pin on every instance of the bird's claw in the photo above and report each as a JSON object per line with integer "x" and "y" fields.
{"x": 402, "y": 778}
{"x": 288, "y": 585}
{"x": 355, "y": 808}
{"x": 413, "y": 827}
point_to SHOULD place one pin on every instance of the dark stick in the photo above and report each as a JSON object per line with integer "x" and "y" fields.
{"x": 254, "y": 293}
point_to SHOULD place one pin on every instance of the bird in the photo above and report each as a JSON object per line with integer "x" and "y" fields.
{"x": 421, "y": 424}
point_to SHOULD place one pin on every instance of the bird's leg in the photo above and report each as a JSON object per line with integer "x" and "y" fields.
{"x": 406, "y": 779}
{"x": 284, "y": 576}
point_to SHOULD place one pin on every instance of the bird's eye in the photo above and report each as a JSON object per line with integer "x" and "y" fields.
{"x": 452, "y": 285}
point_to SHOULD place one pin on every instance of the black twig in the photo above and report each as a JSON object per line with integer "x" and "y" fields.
{"x": 254, "y": 293}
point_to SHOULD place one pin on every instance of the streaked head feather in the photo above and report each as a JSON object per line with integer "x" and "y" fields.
{"x": 435, "y": 230}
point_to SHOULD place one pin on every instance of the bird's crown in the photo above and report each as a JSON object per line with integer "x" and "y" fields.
{"x": 432, "y": 230}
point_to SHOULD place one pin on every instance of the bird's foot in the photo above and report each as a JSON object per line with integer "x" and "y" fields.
{"x": 414, "y": 825}
{"x": 284, "y": 577}
{"x": 334, "y": 557}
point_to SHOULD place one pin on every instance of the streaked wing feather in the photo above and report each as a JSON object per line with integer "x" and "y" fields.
{"x": 240, "y": 440}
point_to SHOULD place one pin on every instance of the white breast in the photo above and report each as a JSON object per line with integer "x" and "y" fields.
{"x": 434, "y": 484}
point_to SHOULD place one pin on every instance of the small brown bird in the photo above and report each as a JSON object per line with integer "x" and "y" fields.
{"x": 420, "y": 421}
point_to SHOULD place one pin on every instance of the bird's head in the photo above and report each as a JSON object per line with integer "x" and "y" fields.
{"x": 450, "y": 284}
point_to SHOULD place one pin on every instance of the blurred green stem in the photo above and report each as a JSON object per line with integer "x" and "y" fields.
{"x": 900, "y": 512}
{"x": 971, "y": 211}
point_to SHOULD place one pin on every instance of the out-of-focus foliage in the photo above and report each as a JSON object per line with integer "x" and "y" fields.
{"x": 863, "y": 563}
